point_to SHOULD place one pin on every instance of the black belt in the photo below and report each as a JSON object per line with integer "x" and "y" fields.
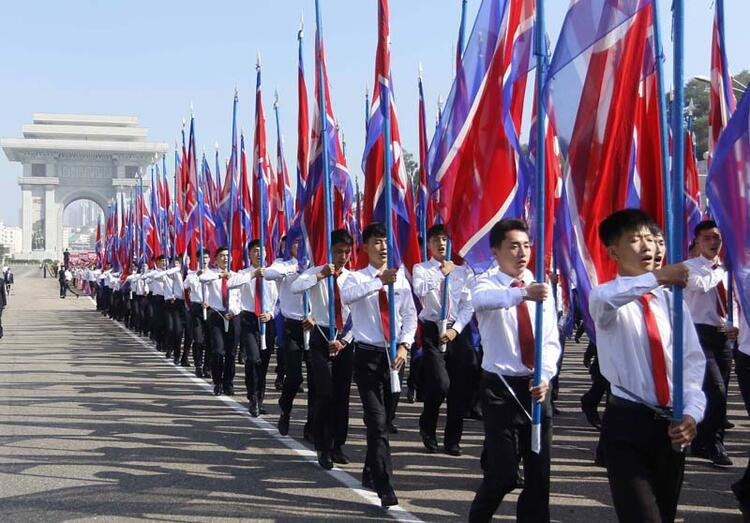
{"x": 367, "y": 346}
{"x": 437, "y": 324}
{"x": 659, "y": 413}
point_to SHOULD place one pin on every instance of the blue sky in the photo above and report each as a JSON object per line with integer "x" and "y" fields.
{"x": 152, "y": 58}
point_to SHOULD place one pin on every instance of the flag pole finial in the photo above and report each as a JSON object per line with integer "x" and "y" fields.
{"x": 301, "y": 32}
{"x": 275, "y": 98}
{"x": 192, "y": 112}
{"x": 419, "y": 69}
{"x": 216, "y": 146}
{"x": 257, "y": 60}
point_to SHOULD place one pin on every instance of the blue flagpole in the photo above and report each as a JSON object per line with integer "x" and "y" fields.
{"x": 423, "y": 205}
{"x": 280, "y": 148}
{"x": 672, "y": 251}
{"x": 678, "y": 161}
{"x": 262, "y": 217}
{"x": 326, "y": 171}
{"x": 540, "y": 45}
{"x": 200, "y": 209}
{"x": 385, "y": 100}
{"x": 140, "y": 212}
{"x": 232, "y": 189}
{"x": 461, "y": 31}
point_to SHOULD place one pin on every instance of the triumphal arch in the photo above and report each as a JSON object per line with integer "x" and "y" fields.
{"x": 69, "y": 157}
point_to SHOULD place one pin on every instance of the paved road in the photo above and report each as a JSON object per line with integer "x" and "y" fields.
{"x": 95, "y": 424}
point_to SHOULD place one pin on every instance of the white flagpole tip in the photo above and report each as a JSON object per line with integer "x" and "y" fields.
{"x": 216, "y": 145}
{"x": 183, "y": 122}
{"x": 257, "y": 59}
{"x": 419, "y": 68}
{"x": 191, "y": 109}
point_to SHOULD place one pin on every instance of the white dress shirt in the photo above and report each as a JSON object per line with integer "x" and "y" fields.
{"x": 212, "y": 285}
{"x": 141, "y": 287}
{"x": 360, "y": 292}
{"x": 244, "y": 282}
{"x": 193, "y": 284}
{"x": 743, "y": 342}
{"x": 155, "y": 283}
{"x": 317, "y": 295}
{"x": 495, "y": 305}
{"x": 701, "y": 293}
{"x": 284, "y": 273}
{"x": 623, "y": 346}
{"x": 175, "y": 282}
{"x": 427, "y": 280}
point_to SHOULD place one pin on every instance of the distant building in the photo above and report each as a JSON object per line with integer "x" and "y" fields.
{"x": 10, "y": 237}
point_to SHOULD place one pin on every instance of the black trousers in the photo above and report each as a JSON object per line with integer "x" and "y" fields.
{"x": 507, "y": 440}
{"x": 146, "y": 312}
{"x": 718, "y": 365}
{"x": 197, "y": 334}
{"x": 742, "y": 368}
{"x": 224, "y": 344}
{"x": 1, "y": 321}
{"x": 159, "y": 320}
{"x": 445, "y": 375}
{"x": 332, "y": 381}
{"x": 63, "y": 288}
{"x": 256, "y": 360}
{"x": 645, "y": 474}
{"x": 294, "y": 354}
{"x": 176, "y": 325}
{"x": 372, "y": 376}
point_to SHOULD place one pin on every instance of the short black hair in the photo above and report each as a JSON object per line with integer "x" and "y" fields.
{"x": 161, "y": 257}
{"x": 253, "y": 243}
{"x": 656, "y": 230}
{"x": 620, "y": 222}
{"x": 436, "y": 230}
{"x": 220, "y": 249}
{"x": 501, "y": 228}
{"x": 374, "y": 230}
{"x": 705, "y": 225}
{"x": 341, "y": 236}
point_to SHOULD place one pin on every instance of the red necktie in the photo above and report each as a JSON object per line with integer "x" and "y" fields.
{"x": 258, "y": 294}
{"x": 186, "y": 292}
{"x": 658, "y": 365}
{"x": 337, "y": 304}
{"x": 525, "y": 331}
{"x": 385, "y": 317}
{"x": 224, "y": 293}
{"x": 721, "y": 303}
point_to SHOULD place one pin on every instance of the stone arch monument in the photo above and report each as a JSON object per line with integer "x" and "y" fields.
{"x": 69, "y": 157}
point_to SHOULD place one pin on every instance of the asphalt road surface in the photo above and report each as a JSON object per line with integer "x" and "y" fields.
{"x": 94, "y": 423}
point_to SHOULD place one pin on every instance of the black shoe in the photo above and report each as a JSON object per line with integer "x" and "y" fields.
{"x": 452, "y": 449}
{"x": 556, "y": 411}
{"x": 241, "y": 359}
{"x": 410, "y": 395}
{"x": 168, "y": 354}
{"x": 279, "y": 383}
{"x": 206, "y": 373}
{"x": 198, "y": 372}
{"x": 392, "y": 429}
{"x": 367, "y": 481}
{"x": 475, "y": 413}
{"x": 338, "y": 456}
{"x": 184, "y": 362}
{"x": 728, "y": 424}
{"x": 217, "y": 390}
{"x": 307, "y": 434}
{"x": 252, "y": 407}
{"x": 262, "y": 409}
{"x": 388, "y": 498}
{"x": 592, "y": 415}
{"x": 720, "y": 457}
{"x": 283, "y": 424}
{"x": 300, "y": 389}
{"x": 324, "y": 460}
{"x": 229, "y": 390}
{"x": 429, "y": 441}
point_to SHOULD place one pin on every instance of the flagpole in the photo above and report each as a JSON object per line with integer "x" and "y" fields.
{"x": 423, "y": 205}
{"x": 385, "y": 101}
{"x": 672, "y": 252}
{"x": 201, "y": 198}
{"x": 540, "y": 45}
{"x": 461, "y": 34}
{"x": 233, "y": 189}
{"x": 281, "y": 179}
{"x": 305, "y": 299}
{"x": 164, "y": 216}
{"x": 678, "y": 135}
{"x": 730, "y": 276}
{"x": 326, "y": 169}
{"x": 140, "y": 236}
{"x": 262, "y": 218}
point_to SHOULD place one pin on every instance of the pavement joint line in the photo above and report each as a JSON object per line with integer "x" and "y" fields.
{"x": 396, "y": 512}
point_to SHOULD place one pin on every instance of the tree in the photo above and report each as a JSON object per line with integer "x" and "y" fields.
{"x": 698, "y": 91}
{"x": 412, "y": 170}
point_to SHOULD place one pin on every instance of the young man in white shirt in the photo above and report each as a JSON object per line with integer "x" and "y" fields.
{"x": 506, "y": 322}
{"x": 291, "y": 353}
{"x": 331, "y": 361}
{"x": 706, "y": 296}
{"x": 195, "y": 324}
{"x": 633, "y": 320}
{"x": 257, "y": 352}
{"x": 446, "y": 356}
{"x": 223, "y": 321}
{"x": 365, "y": 292}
